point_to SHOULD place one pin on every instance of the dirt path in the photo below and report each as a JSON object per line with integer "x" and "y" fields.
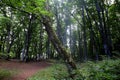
{"x": 24, "y": 70}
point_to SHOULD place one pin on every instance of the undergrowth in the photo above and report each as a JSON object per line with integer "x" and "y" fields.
{"x": 101, "y": 70}
{"x": 4, "y": 74}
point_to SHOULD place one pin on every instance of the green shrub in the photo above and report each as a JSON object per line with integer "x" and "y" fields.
{"x": 3, "y": 56}
{"x": 104, "y": 70}
{"x": 4, "y": 74}
{"x": 12, "y": 55}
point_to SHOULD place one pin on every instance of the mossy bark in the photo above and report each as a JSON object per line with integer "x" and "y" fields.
{"x": 58, "y": 45}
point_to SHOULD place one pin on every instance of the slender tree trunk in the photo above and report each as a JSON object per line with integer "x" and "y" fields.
{"x": 40, "y": 49}
{"x": 8, "y": 42}
{"x": 1, "y": 43}
{"x": 84, "y": 34}
{"x": 59, "y": 30}
{"x": 48, "y": 48}
{"x": 28, "y": 38}
{"x": 80, "y": 50}
{"x": 70, "y": 39}
{"x": 65, "y": 36}
{"x": 3, "y": 46}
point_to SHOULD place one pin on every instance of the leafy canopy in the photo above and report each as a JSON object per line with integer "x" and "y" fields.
{"x": 37, "y": 7}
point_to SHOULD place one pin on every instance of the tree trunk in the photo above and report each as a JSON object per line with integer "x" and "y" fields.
{"x": 93, "y": 38}
{"x": 58, "y": 45}
{"x": 102, "y": 26}
{"x": 1, "y": 43}
{"x": 48, "y": 48}
{"x": 28, "y": 38}
{"x": 40, "y": 49}
{"x": 84, "y": 34}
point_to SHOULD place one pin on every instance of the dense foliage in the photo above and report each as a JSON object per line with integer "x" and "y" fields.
{"x": 87, "y": 29}
{"x": 104, "y": 70}
{"x": 101, "y": 70}
{"x": 5, "y": 74}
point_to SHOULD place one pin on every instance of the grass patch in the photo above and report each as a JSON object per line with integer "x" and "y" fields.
{"x": 51, "y": 73}
{"x": 5, "y": 74}
{"x": 101, "y": 70}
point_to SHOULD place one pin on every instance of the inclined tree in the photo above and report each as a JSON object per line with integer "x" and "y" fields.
{"x": 38, "y": 8}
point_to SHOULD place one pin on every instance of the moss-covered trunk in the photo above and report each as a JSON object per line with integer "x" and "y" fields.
{"x": 58, "y": 45}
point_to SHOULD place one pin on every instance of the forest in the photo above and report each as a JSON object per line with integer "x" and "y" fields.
{"x": 60, "y": 39}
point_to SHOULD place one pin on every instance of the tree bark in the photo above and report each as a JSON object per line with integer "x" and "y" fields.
{"x": 58, "y": 45}
{"x": 84, "y": 34}
{"x": 1, "y": 42}
{"x": 102, "y": 25}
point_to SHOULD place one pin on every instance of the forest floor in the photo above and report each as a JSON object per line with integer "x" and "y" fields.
{"x": 23, "y": 70}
